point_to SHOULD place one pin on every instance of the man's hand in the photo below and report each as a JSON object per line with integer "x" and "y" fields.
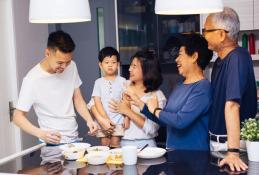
{"x": 92, "y": 128}
{"x": 107, "y": 126}
{"x": 234, "y": 162}
{"x": 52, "y": 137}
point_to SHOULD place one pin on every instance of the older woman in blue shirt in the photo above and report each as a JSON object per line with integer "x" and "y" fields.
{"x": 186, "y": 112}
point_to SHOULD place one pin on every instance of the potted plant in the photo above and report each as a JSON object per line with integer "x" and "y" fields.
{"x": 250, "y": 133}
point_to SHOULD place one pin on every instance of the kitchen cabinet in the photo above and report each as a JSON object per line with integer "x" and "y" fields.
{"x": 140, "y": 28}
{"x": 247, "y": 10}
{"x": 244, "y": 9}
{"x": 256, "y": 14}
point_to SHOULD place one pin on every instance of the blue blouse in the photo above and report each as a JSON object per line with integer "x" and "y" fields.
{"x": 186, "y": 116}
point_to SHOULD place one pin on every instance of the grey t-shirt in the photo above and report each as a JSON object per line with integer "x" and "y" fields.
{"x": 108, "y": 90}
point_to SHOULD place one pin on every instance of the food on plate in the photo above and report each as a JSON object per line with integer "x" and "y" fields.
{"x": 97, "y": 149}
{"x": 115, "y": 157}
{"x": 73, "y": 153}
{"x": 68, "y": 146}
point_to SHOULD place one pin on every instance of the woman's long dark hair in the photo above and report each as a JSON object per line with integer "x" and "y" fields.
{"x": 151, "y": 70}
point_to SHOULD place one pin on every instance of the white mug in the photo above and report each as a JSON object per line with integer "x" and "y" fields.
{"x": 129, "y": 155}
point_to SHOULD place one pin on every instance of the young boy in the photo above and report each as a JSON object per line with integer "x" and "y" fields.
{"x": 109, "y": 87}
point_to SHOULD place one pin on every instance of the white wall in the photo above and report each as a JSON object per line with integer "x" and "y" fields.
{"x": 8, "y": 86}
{"x": 30, "y": 42}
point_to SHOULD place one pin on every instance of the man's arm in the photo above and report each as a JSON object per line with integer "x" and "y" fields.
{"x": 20, "y": 119}
{"x": 233, "y": 134}
{"x": 82, "y": 109}
{"x": 232, "y": 124}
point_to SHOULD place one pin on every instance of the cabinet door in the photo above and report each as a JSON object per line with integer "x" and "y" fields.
{"x": 244, "y": 9}
{"x": 256, "y": 14}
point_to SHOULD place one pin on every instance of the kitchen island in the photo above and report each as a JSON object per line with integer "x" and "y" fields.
{"x": 173, "y": 162}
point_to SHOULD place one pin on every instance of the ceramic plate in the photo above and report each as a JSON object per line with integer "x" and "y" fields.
{"x": 155, "y": 161}
{"x": 151, "y": 153}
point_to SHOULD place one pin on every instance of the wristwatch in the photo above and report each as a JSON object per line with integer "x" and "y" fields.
{"x": 154, "y": 113}
{"x": 234, "y": 150}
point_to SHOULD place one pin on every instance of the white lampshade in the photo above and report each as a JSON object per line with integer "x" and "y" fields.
{"x": 177, "y": 7}
{"x": 59, "y": 11}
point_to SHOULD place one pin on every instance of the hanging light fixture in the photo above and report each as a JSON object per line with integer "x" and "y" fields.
{"x": 178, "y": 7}
{"x": 59, "y": 11}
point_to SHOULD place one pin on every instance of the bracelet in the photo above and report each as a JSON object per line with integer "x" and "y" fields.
{"x": 233, "y": 150}
{"x": 154, "y": 113}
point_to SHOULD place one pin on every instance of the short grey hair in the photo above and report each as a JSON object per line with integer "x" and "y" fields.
{"x": 228, "y": 20}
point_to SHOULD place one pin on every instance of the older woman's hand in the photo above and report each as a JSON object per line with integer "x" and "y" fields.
{"x": 152, "y": 103}
{"x": 130, "y": 95}
{"x": 122, "y": 106}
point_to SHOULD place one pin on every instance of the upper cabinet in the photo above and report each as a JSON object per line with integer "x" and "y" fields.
{"x": 256, "y": 14}
{"x": 139, "y": 28}
{"x": 244, "y": 9}
{"x": 247, "y": 10}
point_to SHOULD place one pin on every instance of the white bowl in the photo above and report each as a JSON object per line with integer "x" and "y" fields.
{"x": 74, "y": 153}
{"x": 97, "y": 149}
{"x": 67, "y": 147}
{"x": 97, "y": 158}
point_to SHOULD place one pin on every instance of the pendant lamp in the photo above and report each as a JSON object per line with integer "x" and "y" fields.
{"x": 59, "y": 11}
{"x": 180, "y": 7}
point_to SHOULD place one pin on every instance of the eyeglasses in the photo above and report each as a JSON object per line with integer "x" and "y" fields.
{"x": 212, "y": 30}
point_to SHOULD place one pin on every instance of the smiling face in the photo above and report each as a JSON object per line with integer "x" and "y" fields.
{"x": 184, "y": 62}
{"x": 109, "y": 65}
{"x": 214, "y": 37}
{"x": 57, "y": 60}
{"x": 135, "y": 71}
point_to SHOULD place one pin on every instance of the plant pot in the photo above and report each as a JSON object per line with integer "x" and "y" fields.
{"x": 253, "y": 150}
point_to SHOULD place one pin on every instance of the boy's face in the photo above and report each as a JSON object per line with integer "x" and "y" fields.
{"x": 109, "y": 65}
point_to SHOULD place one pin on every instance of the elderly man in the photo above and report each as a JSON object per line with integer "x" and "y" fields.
{"x": 233, "y": 84}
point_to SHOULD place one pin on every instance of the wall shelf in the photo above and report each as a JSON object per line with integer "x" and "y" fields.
{"x": 255, "y": 57}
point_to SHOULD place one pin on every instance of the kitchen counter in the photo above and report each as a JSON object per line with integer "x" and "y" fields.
{"x": 174, "y": 162}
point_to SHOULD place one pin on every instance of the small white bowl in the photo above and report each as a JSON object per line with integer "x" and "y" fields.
{"x": 74, "y": 153}
{"x": 67, "y": 147}
{"x": 97, "y": 158}
{"x": 97, "y": 149}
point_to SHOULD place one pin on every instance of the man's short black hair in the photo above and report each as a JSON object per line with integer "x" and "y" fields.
{"x": 60, "y": 40}
{"x": 108, "y": 52}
